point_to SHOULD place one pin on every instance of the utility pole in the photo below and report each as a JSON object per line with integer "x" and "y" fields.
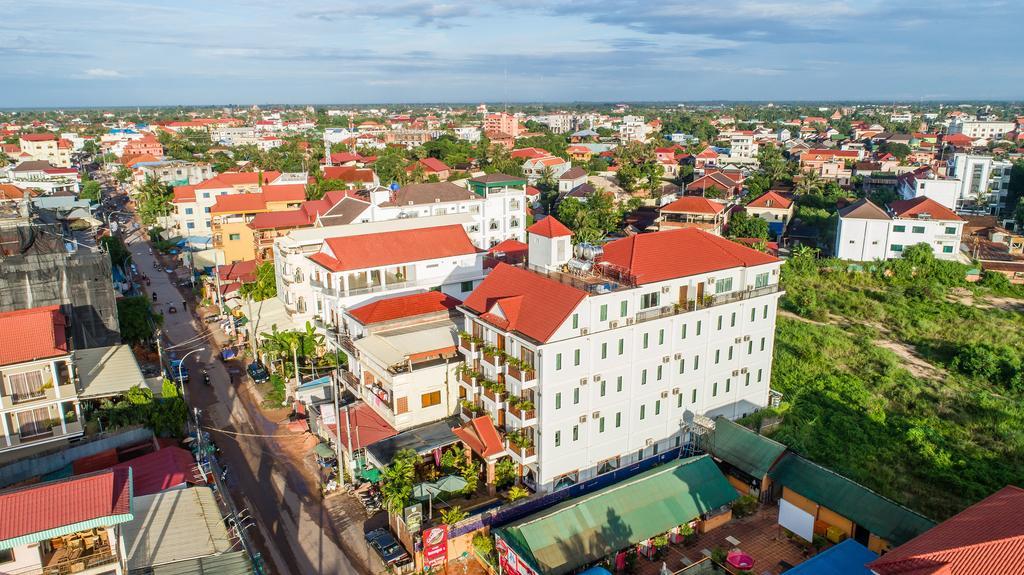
{"x": 295, "y": 364}
{"x": 337, "y": 444}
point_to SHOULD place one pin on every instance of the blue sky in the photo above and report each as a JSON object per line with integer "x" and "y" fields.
{"x": 124, "y": 52}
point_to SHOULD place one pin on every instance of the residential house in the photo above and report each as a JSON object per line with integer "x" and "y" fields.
{"x": 535, "y": 169}
{"x": 985, "y": 538}
{"x": 742, "y": 145}
{"x": 46, "y": 148}
{"x": 192, "y": 203}
{"x": 173, "y": 172}
{"x": 694, "y": 212}
{"x": 146, "y": 145}
{"x": 431, "y": 167}
{"x": 615, "y": 354}
{"x": 579, "y": 154}
{"x": 353, "y": 177}
{"x": 571, "y": 179}
{"x": 45, "y": 177}
{"x": 716, "y": 184}
{"x": 335, "y": 208}
{"x": 830, "y": 164}
{"x": 707, "y": 158}
{"x": 231, "y": 215}
{"x": 634, "y": 129}
{"x": 866, "y": 232}
{"x": 529, "y": 153}
{"x": 775, "y": 208}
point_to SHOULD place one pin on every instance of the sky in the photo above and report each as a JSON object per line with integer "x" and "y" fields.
{"x": 56, "y": 53}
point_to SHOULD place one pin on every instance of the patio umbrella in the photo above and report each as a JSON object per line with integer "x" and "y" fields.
{"x": 425, "y": 490}
{"x": 451, "y": 484}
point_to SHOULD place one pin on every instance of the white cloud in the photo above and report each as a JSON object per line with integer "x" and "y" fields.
{"x": 97, "y": 74}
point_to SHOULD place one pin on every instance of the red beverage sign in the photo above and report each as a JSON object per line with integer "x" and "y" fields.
{"x": 435, "y": 546}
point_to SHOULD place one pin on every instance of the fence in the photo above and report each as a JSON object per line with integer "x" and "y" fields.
{"x": 25, "y": 469}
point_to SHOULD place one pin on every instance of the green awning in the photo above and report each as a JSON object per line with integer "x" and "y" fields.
{"x": 886, "y": 519}
{"x": 585, "y": 529}
{"x": 743, "y": 449}
{"x": 324, "y": 450}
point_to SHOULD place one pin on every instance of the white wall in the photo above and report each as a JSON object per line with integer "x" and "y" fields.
{"x": 862, "y": 240}
{"x": 26, "y": 560}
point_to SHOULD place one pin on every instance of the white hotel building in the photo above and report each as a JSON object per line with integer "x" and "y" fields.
{"x": 616, "y": 355}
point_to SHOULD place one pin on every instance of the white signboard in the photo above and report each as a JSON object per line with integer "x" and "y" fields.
{"x": 796, "y": 520}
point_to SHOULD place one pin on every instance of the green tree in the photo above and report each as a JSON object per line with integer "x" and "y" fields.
{"x": 91, "y": 189}
{"x": 265, "y": 285}
{"x": 638, "y": 167}
{"x": 115, "y": 248}
{"x": 397, "y": 481}
{"x": 136, "y": 320}
{"x": 592, "y": 220}
{"x": 123, "y": 174}
{"x": 390, "y": 167}
{"x": 901, "y": 151}
{"x": 744, "y": 225}
{"x": 154, "y": 201}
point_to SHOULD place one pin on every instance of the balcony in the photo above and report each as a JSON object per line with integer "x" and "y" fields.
{"x": 526, "y": 376}
{"x": 77, "y": 552}
{"x": 493, "y": 356}
{"x": 708, "y": 301}
{"x": 520, "y": 447}
{"x": 522, "y": 410}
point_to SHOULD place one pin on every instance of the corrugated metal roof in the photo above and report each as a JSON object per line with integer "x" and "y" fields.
{"x": 879, "y": 515}
{"x": 174, "y": 526}
{"x": 107, "y": 371}
{"x": 234, "y": 563}
{"x": 585, "y": 529}
{"x": 744, "y": 449}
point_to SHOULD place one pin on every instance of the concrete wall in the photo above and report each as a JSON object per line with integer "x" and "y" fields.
{"x": 25, "y": 469}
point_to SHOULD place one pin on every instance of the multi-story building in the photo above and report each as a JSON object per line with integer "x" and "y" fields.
{"x": 43, "y": 176}
{"x": 38, "y": 396}
{"x": 742, "y": 145}
{"x": 693, "y": 212}
{"x": 192, "y": 204}
{"x": 560, "y": 123}
{"x": 596, "y": 370}
{"x": 502, "y": 122}
{"x": 775, "y": 208}
{"x": 830, "y": 164}
{"x": 866, "y": 232}
{"x": 231, "y": 215}
{"x": 981, "y": 129}
{"x": 173, "y": 172}
{"x": 633, "y": 129}
{"x": 984, "y": 182}
{"x": 47, "y": 148}
{"x": 535, "y": 168}
{"x": 926, "y": 182}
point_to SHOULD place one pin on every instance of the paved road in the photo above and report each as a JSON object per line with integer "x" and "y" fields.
{"x": 288, "y": 510}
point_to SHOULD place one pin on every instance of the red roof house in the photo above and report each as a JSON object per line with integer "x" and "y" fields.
{"x": 390, "y": 248}
{"x": 481, "y": 436}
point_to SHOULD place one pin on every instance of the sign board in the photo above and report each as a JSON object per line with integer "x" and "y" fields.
{"x": 435, "y": 546}
{"x": 413, "y": 516}
{"x": 796, "y": 520}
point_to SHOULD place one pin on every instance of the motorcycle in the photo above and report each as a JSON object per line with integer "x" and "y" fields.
{"x": 206, "y": 377}
{"x": 154, "y": 296}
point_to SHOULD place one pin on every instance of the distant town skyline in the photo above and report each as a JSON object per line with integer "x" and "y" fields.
{"x": 57, "y": 53}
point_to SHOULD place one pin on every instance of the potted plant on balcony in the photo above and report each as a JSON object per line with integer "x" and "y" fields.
{"x": 491, "y": 353}
{"x": 519, "y": 439}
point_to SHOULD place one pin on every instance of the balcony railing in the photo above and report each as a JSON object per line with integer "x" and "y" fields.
{"x": 76, "y": 565}
{"x": 522, "y": 375}
{"x": 709, "y": 301}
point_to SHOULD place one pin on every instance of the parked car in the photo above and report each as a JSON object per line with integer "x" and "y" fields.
{"x": 257, "y": 372}
{"x": 389, "y": 549}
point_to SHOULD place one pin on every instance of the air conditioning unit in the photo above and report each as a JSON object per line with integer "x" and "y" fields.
{"x": 584, "y": 331}
{"x": 613, "y": 324}
{"x": 649, "y": 442}
{"x": 711, "y": 280}
{"x": 664, "y": 289}
{"x": 664, "y": 394}
{"x": 666, "y": 308}
{"x": 629, "y": 321}
{"x": 744, "y": 370}
{"x": 596, "y": 414}
{"x": 597, "y": 377}
{"x": 746, "y": 338}
{"x": 738, "y": 340}
{"x": 665, "y": 359}
{"x": 679, "y": 356}
{"x": 583, "y": 419}
{"x": 675, "y": 391}
{"x": 735, "y": 372}
{"x": 583, "y": 381}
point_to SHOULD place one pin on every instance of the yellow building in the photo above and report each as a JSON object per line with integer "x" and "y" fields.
{"x": 231, "y": 214}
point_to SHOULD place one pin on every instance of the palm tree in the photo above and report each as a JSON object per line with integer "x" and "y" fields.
{"x": 810, "y": 183}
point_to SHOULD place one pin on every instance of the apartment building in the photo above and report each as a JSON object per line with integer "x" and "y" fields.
{"x": 173, "y": 172}
{"x": 535, "y": 169}
{"x": 742, "y": 145}
{"x": 502, "y": 122}
{"x": 984, "y": 182}
{"x": 981, "y": 129}
{"x": 634, "y": 129}
{"x": 593, "y": 371}
{"x": 866, "y": 232}
{"x": 47, "y": 148}
{"x": 232, "y": 214}
{"x": 38, "y": 395}
{"x": 192, "y": 203}
{"x": 926, "y": 182}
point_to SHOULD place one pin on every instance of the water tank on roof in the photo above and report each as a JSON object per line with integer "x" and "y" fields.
{"x": 579, "y": 267}
{"x": 587, "y": 251}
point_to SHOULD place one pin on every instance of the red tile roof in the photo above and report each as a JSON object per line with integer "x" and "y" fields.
{"x": 244, "y": 271}
{"x": 161, "y": 470}
{"x": 549, "y": 227}
{"x": 915, "y": 207}
{"x": 231, "y": 179}
{"x": 529, "y": 153}
{"x": 509, "y": 246}
{"x": 183, "y": 194}
{"x": 530, "y": 303}
{"x": 274, "y": 220}
{"x": 65, "y": 502}
{"x": 957, "y": 139}
{"x": 30, "y": 334}
{"x": 770, "y": 199}
{"x": 403, "y": 306}
{"x": 38, "y": 137}
{"x": 481, "y": 436}
{"x": 434, "y": 165}
{"x": 390, "y": 248}
{"x": 348, "y": 174}
{"x": 984, "y": 539}
{"x": 669, "y": 254}
{"x": 235, "y": 203}
{"x": 694, "y": 205}
{"x": 367, "y": 427}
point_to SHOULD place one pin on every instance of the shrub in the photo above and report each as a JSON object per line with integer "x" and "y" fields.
{"x": 744, "y": 506}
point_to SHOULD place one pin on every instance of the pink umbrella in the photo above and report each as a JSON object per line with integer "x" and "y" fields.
{"x": 740, "y": 560}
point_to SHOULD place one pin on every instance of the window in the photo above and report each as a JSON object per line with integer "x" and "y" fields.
{"x": 643, "y": 377}
{"x": 466, "y": 286}
{"x": 698, "y": 327}
{"x": 7, "y": 555}
{"x": 750, "y": 347}
{"x": 558, "y": 400}
{"x": 618, "y": 384}
{"x": 604, "y": 312}
{"x": 643, "y": 412}
{"x": 732, "y": 320}
{"x": 657, "y": 407}
{"x": 746, "y": 381}
{"x": 602, "y": 387}
{"x": 576, "y": 396}
{"x": 759, "y": 376}
{"x": 188, "y": 211}
{"x": 623, "y": 308}
{"x": 693, "y": 396}
{"x": 896, "y": 248}
{"x": 646, "y": 340}
{"x": 191, "y": 225}
{"x": 684, "y": 331}
{"x": 649, "y": 300}
{"x": 430, "y": 399}
{"x": 575, "y": 321}
{"x": 728, "y": 384}
{"x": 621, "y": 346}
{"x": 26, "y": 386}
{"x": 575, "y": 433}
{"x": 661, "y": 337}
{"x": 753, "y": 314}
{"x": 714, "y": 389}
{"x": 719, "y": 323}
{"x": 917, "y": 229}
{"x": 899, "y": 228}
{"x": 723, "y": 285}
{"x": 696, "y": 362}
{"x": 558, "y": 361}
{"x": 576, "y": 357}
{"x": 679, "y": 400}
{"x": 604, "y": 350}
{"x": 947, "y": 249}
{"x": 618, "y": 419}
{"x": 718, "y": 355}
{"x": 682, "y": 366}
{"x": 659, "y": 373}
{"x": 234, "y": 237}
{"x": 951, "y": 230}
{"x": 206, "y": 210}
{"x": 765, "y": 314}
{"x": 761, "y": 280}
{"x": 558, "y": 438}
{"x": 600, "y": 425}
{"x": 34, "y": 422}
{"x": 762, "y": 344}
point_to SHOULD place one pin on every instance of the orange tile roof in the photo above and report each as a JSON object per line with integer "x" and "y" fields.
{"x": 694, "y": 205}
{"x": 231, "y": 179}
{"x": 481, "y": 436}
{"x": 64, "y": 502}
{"x": 670, "y": 254}
{"x": 984, "y": 539}
{"x": 30, "y": 334}
{"x": 549, "y": 227}
{"x": 12, "y": 192}
{"x": 38, "y": 137}
{"x": 770, "y": 199}
{"x": 915, "y": 207}
{"x": 531, "y": 304}
{"x": 286, "y": 219}
{"x": 236, "y": 203}
{"x": 391, "y": 248}
{"x": 403, "y": 306}
{"x": 184, "y": 194}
